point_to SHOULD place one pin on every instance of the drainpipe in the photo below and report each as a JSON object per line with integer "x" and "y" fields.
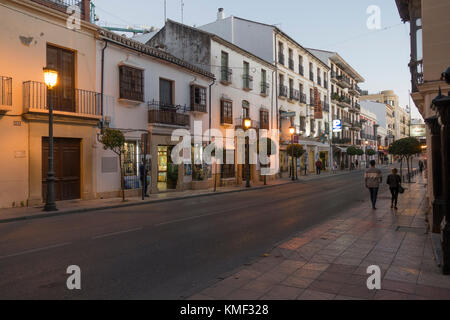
{"x": 210, "y": 101}
{"x": 103, "y": 77}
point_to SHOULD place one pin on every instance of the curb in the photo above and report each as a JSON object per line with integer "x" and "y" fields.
{"x": 133, "y": 204}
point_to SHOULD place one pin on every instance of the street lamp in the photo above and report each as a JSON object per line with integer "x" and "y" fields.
{"x": 51, "y": 80}
{"x": 367, "y": 163}
{"x": 247, "y": 125}
{"x": 292, "y": 131}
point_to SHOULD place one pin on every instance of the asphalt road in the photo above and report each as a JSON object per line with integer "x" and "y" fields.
{"x": 166, "y": 250}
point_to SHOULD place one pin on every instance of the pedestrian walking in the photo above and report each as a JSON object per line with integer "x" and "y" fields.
{"x": 318, "y": 166}
{"x": 335, "y": 166}
{"x": 373, "y": 178}
{"x": 394, "y": 182}
{"x": 421, "y": 166}
{"x": 357, "y": 163}
{"x": 143, "y": 171}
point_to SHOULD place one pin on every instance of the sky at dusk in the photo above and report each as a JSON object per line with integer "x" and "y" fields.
{"x": 380, "y": 56}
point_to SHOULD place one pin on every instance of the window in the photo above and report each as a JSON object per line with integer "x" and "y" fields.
{"x": 131, "y": 83}
{"x": 198, "y": 98}
{"x": 225, "y": 70}
{"x": 247, "y": 79}
{"x": 302, "y": 123}
{"x": 264, "y": 119}
{"x": 245, "y": 109}
{"x": 226, "y": 111}
{"x": 166, "y": 92}
{"x": 63, "y": 61}
{"x": 129, "y": 158}
{"x": 264, "y": 84}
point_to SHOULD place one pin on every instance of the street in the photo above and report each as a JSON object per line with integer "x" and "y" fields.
{"x": 165, "y": 250}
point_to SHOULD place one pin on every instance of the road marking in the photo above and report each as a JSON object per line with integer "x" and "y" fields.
{"x": 115, "y": 233}
{"x": 35, "y": 250}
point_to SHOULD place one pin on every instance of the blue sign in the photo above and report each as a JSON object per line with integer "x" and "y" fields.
{"x": 337, "y": 125}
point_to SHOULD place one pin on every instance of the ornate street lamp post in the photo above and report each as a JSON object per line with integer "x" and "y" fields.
{"x": 247, "y": 125}
{"x": 51, "y": 80}
{"x": 292, "y": 131}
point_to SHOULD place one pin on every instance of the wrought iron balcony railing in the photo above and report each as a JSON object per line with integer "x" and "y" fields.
{"x": 416, "y": 68}
{"x": 63, "y": 5}
{"x": 247, "y": 82}
{"x": 76, "y": 101}
{"x": 302, "y": 97}
{"x": 5, "y": 91}
{"x": 294, "y": 94}
{"x": 281, "y": 58}
{"x": 283, "y": 91}
{"x": 265, "y": 88}
{"x": 291, "y": 64}
{"x": 163, "y": 113}
{"x": 225, "y": 75}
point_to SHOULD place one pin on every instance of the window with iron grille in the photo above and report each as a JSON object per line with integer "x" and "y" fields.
{"x": 264, "y": 119}
{"x": 302, "y": 123}
{"x": 131, "y": 83}
{"x": 226, "y": 111}
{"x": 198, "y": 98}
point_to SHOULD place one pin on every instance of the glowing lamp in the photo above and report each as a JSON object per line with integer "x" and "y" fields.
{"x": 50, "y": 77}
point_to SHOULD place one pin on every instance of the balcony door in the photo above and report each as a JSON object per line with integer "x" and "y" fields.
{"x": 166, "y": 93}
{"x": 63, "y": 61}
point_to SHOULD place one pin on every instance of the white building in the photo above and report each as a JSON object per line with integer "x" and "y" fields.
{"x": 243, "y": 88}
{"x": 301, "y": 84}
{"x": 148, "y": 90}
{"x": 345, "y": 93}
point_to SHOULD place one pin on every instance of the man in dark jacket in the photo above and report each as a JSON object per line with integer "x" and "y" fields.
{"x": 373, "y": 179}
{"x": 318, "y": 166}
{"x": 394, "y": 181}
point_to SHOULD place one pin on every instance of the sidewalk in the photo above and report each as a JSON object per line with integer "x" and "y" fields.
{"x": 77, "y": 206}
{"x": 329, "y": 261}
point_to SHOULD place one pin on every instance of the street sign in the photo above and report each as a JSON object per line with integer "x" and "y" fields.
{"x": 337, "y": 125}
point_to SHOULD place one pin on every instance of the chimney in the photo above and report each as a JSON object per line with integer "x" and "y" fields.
{"x": 220, "y": 14}
{"x": 87, "y": 10}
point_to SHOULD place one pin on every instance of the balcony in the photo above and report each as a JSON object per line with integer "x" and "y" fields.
{"x": 79, "y": 102}
{"x": 247, "y": 82}
{"x": 325, "y": 106}
{"x": 265, "y": 88}
{"x": 355, "y": 90}
{"x": 302, "y": 97}
{"x": 283, "y": 91}
{"x": 5, "y": 93}
{"x": 291, "y": 64}
{"x": 334, "y": 76}
{"x": 343, "y": 81}
{"x": 301, "y": 70}
{"x": 344, "y": 141}
{"x": 356, "y": 125}
{"x": 294, "y": 94}
{"x": 281, "y": 58}
{"x": 166, "y": 114}
{"x": 225, "y": 75}
{"x": 319, "y": 80}
{"x": 416, "y": 68}
{"x": 63, "y": 5}
{"x": 239, "y": 123}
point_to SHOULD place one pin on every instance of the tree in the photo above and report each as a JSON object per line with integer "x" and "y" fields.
{"x": 296, "y": 151}
{"x": 352, "y": 151}
{"x": 370, "y": 152}
{"x": 114, "y": 140}
{"x": 405, "y": 148}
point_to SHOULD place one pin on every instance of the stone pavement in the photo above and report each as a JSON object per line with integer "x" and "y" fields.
{"x": 329, "y": 261}
{"x": 76, "y": 206}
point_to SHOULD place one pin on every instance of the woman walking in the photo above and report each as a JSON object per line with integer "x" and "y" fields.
{"x": 394, "y": 182}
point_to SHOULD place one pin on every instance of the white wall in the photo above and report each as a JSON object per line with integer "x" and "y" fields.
{"x": 135, "y": 116}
